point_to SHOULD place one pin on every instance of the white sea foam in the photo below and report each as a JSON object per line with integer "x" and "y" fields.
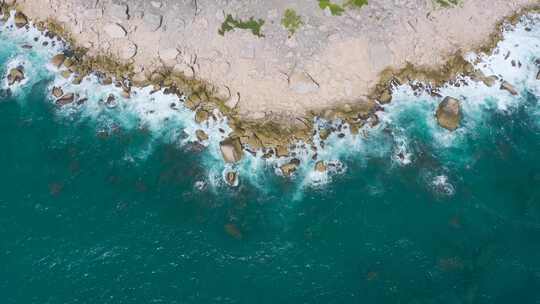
{"x": 409, "y": 118}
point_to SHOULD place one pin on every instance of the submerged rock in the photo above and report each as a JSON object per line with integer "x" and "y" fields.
{"x": 58, "y": 60}
{"x": 15, "y": 75}
{"x": 20, "y": 20}
{"x": 231, "y": 150}
{"x": 449, "y": 113}
{"x": 233, "y": 231}
{"x": 508, "y": 87}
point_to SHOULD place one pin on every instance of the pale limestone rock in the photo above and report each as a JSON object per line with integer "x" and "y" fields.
{"x": 114, "y": 30}
{"x": 185, "y": 69}
{"x": 128, "y": 50}
{"x": 58, "y": 60}
{"x": 152, "y": 21}
{"x": 118, "y": 10}
{"x": 156, "y": 4}
{"x": 168, "y": 54}
{"x": 302, "y": 83}
{"x": 93, "y": 13}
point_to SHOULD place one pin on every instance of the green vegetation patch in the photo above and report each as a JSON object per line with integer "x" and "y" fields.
{"x": 447, "y": 3}
{"x": 253, "y": 25}
{"x": 356, "y": 3}
{"x": 291, "y": 21}
{"x": 335, "y": 9}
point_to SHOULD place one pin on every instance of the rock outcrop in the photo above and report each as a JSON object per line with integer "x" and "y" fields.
{"x": 58, "y": 60}
{"x": 15, "y": 75}
{"x": 65, "y": 100}
{"x": 449, "y": 113}
{"x": 231, "y": 150}
{"x": 20, "y": 20}
{"x": 289, "y": 168}
{"x": 508, "y": 87}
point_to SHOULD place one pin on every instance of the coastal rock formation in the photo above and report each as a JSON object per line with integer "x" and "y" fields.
{"x": 115, "y": 30}
{"x": 65, "y": 100}
{"x": 58, "y": 60}
{"x": 201, "y": 135}
{"x": 508, "y": 87}
{"x": 289, "y": 168}
{"x": 320, "y": 166}
{"x": 231, "y": 178}
{"x": 231, "y": 150}
{"x": 57, "y": 92}
{"x": 20, "y": 20}
{"x": 449, "y": 113}
{"x": 15, "y": 75}
{"x": 302, "y": 83}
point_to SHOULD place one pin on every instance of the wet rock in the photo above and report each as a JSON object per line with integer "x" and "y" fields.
{"x": 490, "y": 80}
{"x": 302, "y": 83}
{"x": 66, "y": 74}
{"x": 324, "y": 133}
{"x": 201, "y": 135}
{"x": 320, "y": 166}
{"x": 508, "y": 87}
{"x": 538, "y": 76}
{"x": 231, "y": 150}
{"x": 106, "y": 81}
{"x": 231, "y": 178}
{"x": 57, "y": 92}
{"x": 77, "y": 80}
{"x": 111, "y": 102}
{"x": 66, "y": 99}
{"x": 15, "y": 75}
{"x": 201, "y": 116}
{"x": 20, "y": 20}
{"x": 114, "y": 30}
{"x": 449, "y": 113}
{"x": 58, "y": 60}
{"x": 289, "y": 168}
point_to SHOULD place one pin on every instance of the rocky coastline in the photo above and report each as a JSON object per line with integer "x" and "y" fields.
{"x": 272, "y": 134}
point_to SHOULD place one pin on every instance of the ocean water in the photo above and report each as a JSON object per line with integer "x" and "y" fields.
{"x": 119, "y": 205}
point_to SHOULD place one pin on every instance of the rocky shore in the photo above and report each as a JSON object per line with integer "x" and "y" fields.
{"x": 271, "y": 97}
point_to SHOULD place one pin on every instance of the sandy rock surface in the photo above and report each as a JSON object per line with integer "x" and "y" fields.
{"x": 328, "y": 61}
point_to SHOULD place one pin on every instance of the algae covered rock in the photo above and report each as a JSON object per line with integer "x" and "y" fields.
{"x": 58, "y": 60}
{"x": 20, "y": 20}
{"x": 231, "y": 150}
{"x": 449, "y": 113}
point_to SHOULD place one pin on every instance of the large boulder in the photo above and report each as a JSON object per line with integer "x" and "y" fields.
{"x": 231, "y": 178}
{"x": 57, "y": 92}
{"x": 231, "y": 150}
{"x": 289, "y": 168}
{"x": 58, "y": 60}
{"x": 201, "y": 135}
{"x": 320, "y": 166}
{"x": 15, "y": 75}
{"x": 66, "y": 99}
{"x": 20, "y": 20}
{"x": 449, "y": 113}
{"x": 201, "y": 116}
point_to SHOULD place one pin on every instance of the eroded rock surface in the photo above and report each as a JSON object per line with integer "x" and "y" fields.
{"x": 449, "y": 113}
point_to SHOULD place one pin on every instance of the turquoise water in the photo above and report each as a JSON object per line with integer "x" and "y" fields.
{"x": 110, "y": 206}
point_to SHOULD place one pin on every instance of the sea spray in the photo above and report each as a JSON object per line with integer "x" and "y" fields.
{"x": 411, "y": 112}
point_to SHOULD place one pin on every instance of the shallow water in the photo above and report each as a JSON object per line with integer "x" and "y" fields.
{"x": 103, "y": 205}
